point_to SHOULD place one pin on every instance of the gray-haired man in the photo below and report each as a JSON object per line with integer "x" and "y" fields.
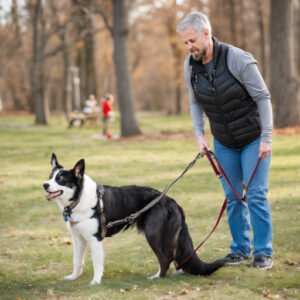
{"x": 225, "y": 84}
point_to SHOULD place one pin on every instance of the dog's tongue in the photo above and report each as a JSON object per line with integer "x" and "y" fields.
{"x": 52, "y": 195}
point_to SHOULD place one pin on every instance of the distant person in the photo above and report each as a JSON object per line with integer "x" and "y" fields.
{"x": 107, "y": 113}
{"x": 225, "y": 84}
{"x": 91, "y": 105}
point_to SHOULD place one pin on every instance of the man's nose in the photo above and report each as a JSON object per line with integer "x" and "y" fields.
{"x": 189, "y": 46}
{"x": 46, "y": 185}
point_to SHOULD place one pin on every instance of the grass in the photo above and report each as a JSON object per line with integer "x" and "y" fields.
{"x": 35, "y": 250}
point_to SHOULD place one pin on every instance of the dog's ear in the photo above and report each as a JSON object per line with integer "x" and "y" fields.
{"x": 79, "y": 169}
{"x": 54, "y": 162}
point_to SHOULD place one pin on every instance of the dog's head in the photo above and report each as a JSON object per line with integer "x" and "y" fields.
{"x": 64, "y": 184}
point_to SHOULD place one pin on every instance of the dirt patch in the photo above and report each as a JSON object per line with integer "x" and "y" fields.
{"x": 15, "y": 113}
{"x": 160, "y": 136}
{"x": 294, "y": 130}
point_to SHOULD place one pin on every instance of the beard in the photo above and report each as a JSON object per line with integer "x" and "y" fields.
{"x": 200, "y": 55}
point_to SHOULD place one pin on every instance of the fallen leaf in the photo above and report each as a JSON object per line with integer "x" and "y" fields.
{"x": 289, "y": 262}
{"x": 184, "y": 292}
{"x": 266, "y": 293}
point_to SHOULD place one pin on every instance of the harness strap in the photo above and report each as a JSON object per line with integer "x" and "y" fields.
{"x": 100, "y": 210}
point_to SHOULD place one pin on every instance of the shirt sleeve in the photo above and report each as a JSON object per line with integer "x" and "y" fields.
{"x": 197, "y": 112}
{"x": 244, "y": 68}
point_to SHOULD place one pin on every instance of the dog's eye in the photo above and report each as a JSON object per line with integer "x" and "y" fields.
{"x": 59, "y": 177}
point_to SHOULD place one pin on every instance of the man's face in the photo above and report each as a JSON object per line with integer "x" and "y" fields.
{"x": 195, "y": 42}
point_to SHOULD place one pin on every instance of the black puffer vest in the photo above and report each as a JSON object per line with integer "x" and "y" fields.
{"x": 233, "y": 115}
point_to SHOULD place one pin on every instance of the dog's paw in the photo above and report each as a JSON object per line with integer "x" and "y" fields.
{"x": 70, "y": 277}
{"x": 94, "y": 282}
{"x": 177, "y": 272}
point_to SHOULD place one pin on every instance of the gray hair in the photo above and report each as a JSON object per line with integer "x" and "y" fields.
{"x": 197, "y": 20}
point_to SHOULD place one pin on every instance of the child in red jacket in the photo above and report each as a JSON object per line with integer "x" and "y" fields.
{"x": 107, "y": 113}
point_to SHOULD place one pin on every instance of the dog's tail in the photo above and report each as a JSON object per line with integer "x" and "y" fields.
{"x": 194, "y": 265}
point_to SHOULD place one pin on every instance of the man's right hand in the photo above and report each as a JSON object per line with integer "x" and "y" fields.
{"x": 202, "y": 143}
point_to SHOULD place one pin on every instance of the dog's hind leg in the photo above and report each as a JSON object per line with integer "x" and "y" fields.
{"x": 163, "y": 257}
{"x": 155, "y": 275}
{"x": 79, "y": 250}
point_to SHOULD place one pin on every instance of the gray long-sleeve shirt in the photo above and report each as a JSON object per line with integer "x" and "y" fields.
{"x": 243, "y": 67}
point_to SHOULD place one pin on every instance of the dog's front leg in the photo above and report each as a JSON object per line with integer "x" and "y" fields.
{"x": 79, "y": 250}
{"x": 98, "y": 260}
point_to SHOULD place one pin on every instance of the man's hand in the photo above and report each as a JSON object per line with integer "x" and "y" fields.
{"x": 265, "y": 149}
{"x": 202, "y": 143}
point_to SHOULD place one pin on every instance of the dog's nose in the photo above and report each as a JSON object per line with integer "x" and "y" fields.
{"x": 46, "y": 185}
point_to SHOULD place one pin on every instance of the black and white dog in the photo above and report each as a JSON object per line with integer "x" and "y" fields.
{"x": 163, "y": 225}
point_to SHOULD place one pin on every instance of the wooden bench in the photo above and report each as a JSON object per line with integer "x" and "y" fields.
{"x": 84, "y": 120}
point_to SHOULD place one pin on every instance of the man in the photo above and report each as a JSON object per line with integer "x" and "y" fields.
{"x": 225, "y": 84}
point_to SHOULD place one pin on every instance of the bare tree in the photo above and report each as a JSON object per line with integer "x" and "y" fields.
{"x": 176, "y": 49}
{"x": 284, "y": 85}
{"x": 119, "y": 31}
{"x": 233, "y": 21}
{"x": 85, "y": 48}
{"x": 37, "y": 70}
{"x": 261, "y": 26}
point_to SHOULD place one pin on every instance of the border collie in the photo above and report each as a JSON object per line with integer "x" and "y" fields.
{"x": 163, "y": 225}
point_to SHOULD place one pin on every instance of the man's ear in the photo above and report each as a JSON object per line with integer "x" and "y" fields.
{"x": 206, "y": 33}
{"x": 79, "y": 169}
{"x": 54, "y": 162}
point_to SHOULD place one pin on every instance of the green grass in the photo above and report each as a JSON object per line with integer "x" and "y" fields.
{"x": 35, "y": 253}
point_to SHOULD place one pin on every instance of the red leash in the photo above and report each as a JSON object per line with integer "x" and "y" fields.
{"x": 219, "y": 173}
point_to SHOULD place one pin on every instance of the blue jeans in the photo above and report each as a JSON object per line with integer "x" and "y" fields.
{"x": 239, "y": 164}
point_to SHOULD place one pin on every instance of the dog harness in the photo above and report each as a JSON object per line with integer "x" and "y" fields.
{"x": 68, "y": 210}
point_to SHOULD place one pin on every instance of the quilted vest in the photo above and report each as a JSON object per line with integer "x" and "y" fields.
{"x": 232, "y": 113}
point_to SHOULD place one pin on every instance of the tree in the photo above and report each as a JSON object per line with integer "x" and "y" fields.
{"x": 37, "y": 71}
{"x": 284, "y": 84}
{"x": 119, "y": 31}
{"x": 177, "y": 52}
{"x": 85, "y": 48}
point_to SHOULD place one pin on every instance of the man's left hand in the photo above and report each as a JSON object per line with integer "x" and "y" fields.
{"x": 265, "y": 149}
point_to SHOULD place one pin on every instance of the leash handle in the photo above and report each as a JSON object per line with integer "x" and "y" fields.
{"x": 210, "y": 156}
{"x": 221, "y": 173}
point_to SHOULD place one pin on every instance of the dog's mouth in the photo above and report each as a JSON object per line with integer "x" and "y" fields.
{"x": 52, "y": 195}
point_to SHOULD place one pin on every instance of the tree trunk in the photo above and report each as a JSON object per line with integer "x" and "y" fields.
{"x": 297, "y": 44}
{"x": 284, "y": 85}
{"x": 175, "y": 45}
{"x": 91, "y": 85}
{"x": 129, "y": 124}
{"x": 243, "y": 30}
{"x": 261, "y": 26}
{"x": 37, "y": 73}
{"x": 66, "y": 82}
{"x": 233, "y": 22}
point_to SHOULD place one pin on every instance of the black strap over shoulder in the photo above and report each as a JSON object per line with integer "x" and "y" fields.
{"x": 100, "y": 210}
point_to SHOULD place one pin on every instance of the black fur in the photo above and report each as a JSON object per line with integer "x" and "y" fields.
{"x": 164, "y": 226}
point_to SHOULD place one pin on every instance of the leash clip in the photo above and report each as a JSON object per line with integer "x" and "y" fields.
{"x": 129, "y": 219}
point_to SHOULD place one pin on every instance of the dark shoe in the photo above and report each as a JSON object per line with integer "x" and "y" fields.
{"x": 263, "y": 262}
{"x": 235, "y": 259}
